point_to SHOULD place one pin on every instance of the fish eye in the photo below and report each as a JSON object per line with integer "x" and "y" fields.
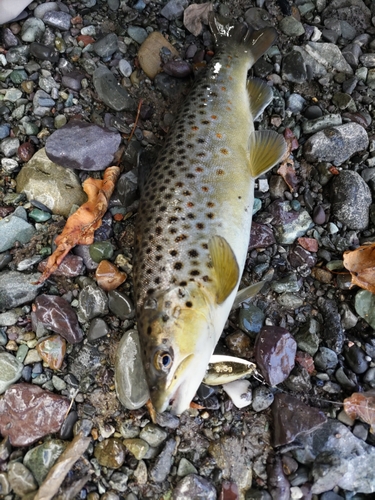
{"x": 163, "y": 360}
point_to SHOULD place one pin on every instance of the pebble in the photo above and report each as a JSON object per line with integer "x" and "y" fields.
{"x": 262, "y": 398}
{"x": 138, "y": 447}
{"x": 120, "y": 304}
{"x": 163, "y": 463}
{"x": 71, "y": 266}
{"x": 9, "y": 146}
{"x": 54, "y": 186}
{"x": 289, "y": 224}
{"x": 290, "y": 26}
{"x": 17, "y": 289}
{"x": 315, "y": 125}
{"x": 261, "y": 236}
{"x": 52, "y": 351}
{"x": 92, "y": 302}
{"x": 27, "y": 413}
{"x": 365, "y": 306}
{"x": 239, "y": 344}
{"x": 250, "y": 319}
{"x": 329, "y": 55}
{"x": 296, "y": 103}
{"x": 32, "y": 29}
{"x": 153, "y": 435}
{"x": 185, "y": 468}
{"x": 83, "y": 146}
{"x": 351, "y": 200}
{"x": 57, "y": 19}
{"x": 125, "y": 67}
{"x": 138, "y": 34}
{"x": 275, "y": 351}
{"x": 14, "y": 229}
{"x": 149, "y": 53}
{"x": 294, "y": 67}
{"x": 194, "y": 486}
{"x": 356, "y": 359}
{"x": 336, "y": 144}
{"x": 10, "y": 370}
{"x": 111, "y": 92}
{"x": 128, "y": 369}
{"x": 101, "y": 250}
{"x": 106, "y": 46}
{"x": 239, "y": 392}
{"x": 292, "y": 417}
{"x": 41, "y": 9}
{"x": 26, "y": 151}
{"x": 40, "y": 459}
{"x": 98, "y": 329}
{"x": 174, "y": 9}
{"x": 21, "y": 479}
{"x": 126, "y": 188}
{"x": 110, "y": 453}
{"x": 57, "y": 314}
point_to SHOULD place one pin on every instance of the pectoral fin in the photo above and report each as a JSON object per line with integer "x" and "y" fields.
{"x": 247, "y": 293}
{"x": 266, "y": 148}
{"x": 225, "y": 265}
{"x": 260, "y": 95}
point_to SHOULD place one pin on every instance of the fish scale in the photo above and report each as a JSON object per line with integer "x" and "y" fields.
{"x": 194, "y": 217}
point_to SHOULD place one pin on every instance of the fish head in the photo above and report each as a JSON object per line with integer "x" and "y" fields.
{"x": 177, "y": 339}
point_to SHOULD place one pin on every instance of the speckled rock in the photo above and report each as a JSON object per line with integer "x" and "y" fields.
{"x": 194, "y": 486}
{"x": 17, "y": 289}
{"x": 351, "y": 199}
{"x": 10, "y": 370}
{"x": 41, "y": 458}
{"x": 21, "y": 479}
{"x": 336, "y": 144}
{"x": 56, "y": 187}
{"x": 110, "y": 453}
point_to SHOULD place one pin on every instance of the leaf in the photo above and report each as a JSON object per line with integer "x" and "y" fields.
{"x": 80, "y": 227}
{"x": 361, "y": 265}
{"x": 195, "y": 15}
{"x": 361, "y": 405}
{"x": 286, "y": 169}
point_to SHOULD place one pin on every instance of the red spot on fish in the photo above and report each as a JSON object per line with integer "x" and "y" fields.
{"x": 224, "y": 151}
{"x": 219, "y": 136}
{"x": 223, "y": 89}
{"x": 195, "y": 128}
{"x": 214, "y": 117}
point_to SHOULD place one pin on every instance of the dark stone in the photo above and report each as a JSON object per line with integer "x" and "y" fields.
{"x": 83, "y": 146}
{"x": 333, "y": 332}
{"x": 261, "y": 236}
{"x": 291, "y": 418}
{"x": 44, "y": 52}
{"x": 278, "y": 484}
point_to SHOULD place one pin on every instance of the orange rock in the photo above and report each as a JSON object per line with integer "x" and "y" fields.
{"x": 309, "y": 244}
{"x": 85, "y": 39}
{"x": 149, "y": 53}
{"x": 52, "y": 351}
{"x": 108, "y": 276}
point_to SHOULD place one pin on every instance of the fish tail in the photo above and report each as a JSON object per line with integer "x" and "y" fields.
{"x": 230, "y": 33}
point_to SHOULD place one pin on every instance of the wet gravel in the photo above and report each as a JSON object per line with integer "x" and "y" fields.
{"x": 68, "y": 70}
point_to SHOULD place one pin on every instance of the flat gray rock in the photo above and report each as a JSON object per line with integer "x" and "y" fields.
{"x": 336, "y": 144}
{"x": 17, "y": 289}
{"x": 83, "y": 146}
{"x": 14, "y": 229}
{"x": 111, "y": 92}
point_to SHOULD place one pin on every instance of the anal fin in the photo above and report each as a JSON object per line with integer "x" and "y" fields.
{"x": 225, "y": 265}
{"x": 260, "y": 95}
{"x": 266, "y": 148}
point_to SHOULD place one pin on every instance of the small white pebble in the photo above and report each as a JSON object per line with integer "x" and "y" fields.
{"x": 295, "y": 493}
{"x": 316, "y": 35}
{"x": 239, "y": 392}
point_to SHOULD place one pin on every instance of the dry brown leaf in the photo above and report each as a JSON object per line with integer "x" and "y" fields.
{"x": 195, "y": 15}
{"x": 286, "y": 169}
{"x": 80, "y": 227}
{"x": 361, "y": 264}
{"x": 361, "y": 405}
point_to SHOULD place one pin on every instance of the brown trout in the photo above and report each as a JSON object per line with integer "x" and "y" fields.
{"x": 195, "y": 212}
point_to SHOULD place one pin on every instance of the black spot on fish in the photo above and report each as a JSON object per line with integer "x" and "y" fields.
{"x": 193, "y": 253}
{"x": 183, "y": 283}
{"x": 159, "y": 248}
{"x": 178, "y": 266}
{"x": 189, "y": 304}
{"x": 195, "y": 272}
{"x": 174, "y": 253}
{"x": 158, "y": 230}
{"x": 210, "y": 215}
{"x": 150, "y": 291}
{"x": 149, "y": 330}
{"x": 173, "y": 219}
{"x": 191, "y": 215}
{"x": 158, "y": 258}
{"x": 200, "y": 225}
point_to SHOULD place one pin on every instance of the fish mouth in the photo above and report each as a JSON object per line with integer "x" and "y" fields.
{"x": 173, "y": 395}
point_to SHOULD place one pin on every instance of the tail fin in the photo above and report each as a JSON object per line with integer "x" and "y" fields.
{"x": 225, "y": 30}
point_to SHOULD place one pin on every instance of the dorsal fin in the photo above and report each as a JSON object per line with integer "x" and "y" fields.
{"x": 260, "y": 95}
{"x": 225, "y": 265}
{"x": 266, "y": 148}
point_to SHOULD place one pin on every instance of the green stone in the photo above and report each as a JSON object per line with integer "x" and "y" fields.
{"x": 60, "y": 121}
{"x": 45, "y": 251}
{"x": 307, "y": 337}
{"x": 257, "y": 205}
{"x": 185, "y": 467}
{"x": 153, "y": 435}
{"x": 296, "y": 205}
{"x": 18, "y": 76}
{"x": 101, "y": 250}
{"x": 38, "y": 215}
{"x": 138, "y": 447}
{"x": 30, "y": 128}
{"x": 22, "y": 352}
{"x": 110, "y": 453}
{"x": 41, "y": 458}
{"x": 60, "y": 44}
{"x": 4, "y": 74}
{"x": 364, "y": 304}
{"x": 289, "y": 283}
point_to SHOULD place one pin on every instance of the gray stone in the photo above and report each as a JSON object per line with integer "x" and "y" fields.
{"x": 353, "y": 11}
{"x": 17, "y": 289}
{"x": 337, "y": 458}
{"x": 32, "y": 29}
{"x": 92, "y": 302}
{"x": 98, "y": 329}
{"x": 125, "y": 67}
{"x": 289, "y": 224}
{"x": 294, "y": 68}
{"x": 365, "y": 306}
{"x": 351, "y": 199}
{"x": 14, "y": 229}
{"x": 325, "y": 359}
{"x": 194, "y": 486}
{"x": 57, "y": 19}
{"x": 313, "y": 126}
{"x": 20, "y": 479}
{"x": 185, "y": 467}
{"x": 83, "y": 146}
{"x": 336, "y": 144}
{"x": 10, "y": 371}
{"x": 42, "y": 103}
{"x": 153, "y": 435}
{"x": 329, "y": 55}
{"x": 120, "y": 304}
{"x": 56, "y": 187}
{"x": 9, "y": 146}
{"x": 41, "y": 9}
{"x": 10, "y": 318}
{"x": 137, "y": 33}
{"x": 291, "y": 26}
{"x": 262, "y": 398}
{"x": 162, "y": 466}
{"x": 130, "y": 378}
{"x": 111, "y": 92}
{"x": 295, "y": 103}
{"x": 174, "y": 9}
{"x": 106, "y": 46}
